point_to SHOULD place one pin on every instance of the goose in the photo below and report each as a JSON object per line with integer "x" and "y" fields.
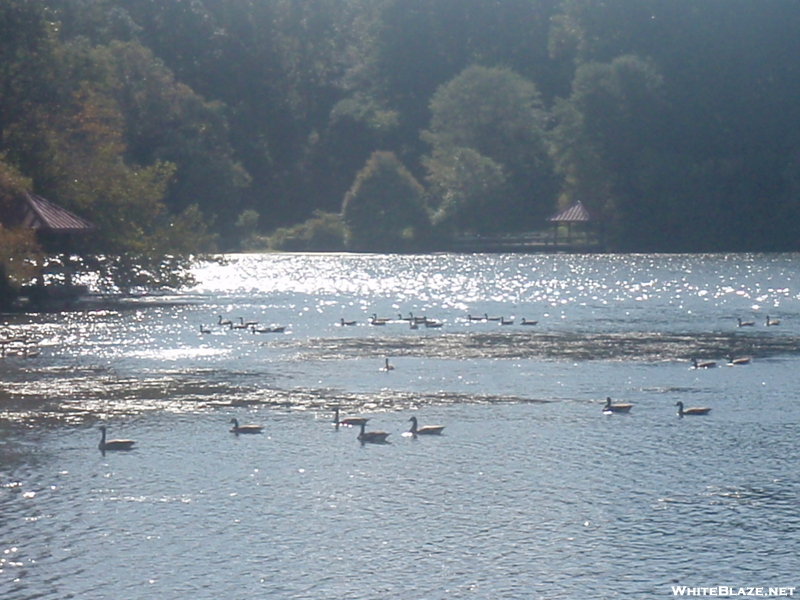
{"x": 387, "y": 367}
{"x": 203, "y": 329}
{"x": 433, "y": 324}
{"x": 239, "y": 325}
{"x": 376, "y": 321}
{"x": 471, "y": 318}
{"x": 486, "y": 317}
{"x": 343, "y": 323}
{"x": 745, "y": 323}
{"x": 526, "y": 322}
{"x": 743, "y": 360}
{"x": 261, "y": 329}
{"x": 113, "y": 444}
{"x": 616, "y": 408}
{"x": 691, "y": 411}
{"x": 225, "y": 322}
{"x": 249, "y": 323}
{"x": 349, "y": 421}
{"x": 237, "y": 429}
{"x": 710, "y": 364}
{"x": 771, "y": 322}
{"x": 425, "y": 429}
{"x": 503, "y": 321}
{"x": 372, "y": 437}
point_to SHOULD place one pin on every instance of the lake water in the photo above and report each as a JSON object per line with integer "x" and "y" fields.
{"x": 531, "y": 492}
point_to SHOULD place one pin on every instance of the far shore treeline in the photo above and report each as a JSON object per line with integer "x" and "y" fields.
{"x": 182, "y": 127}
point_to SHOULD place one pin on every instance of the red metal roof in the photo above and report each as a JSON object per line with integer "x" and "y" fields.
{"x": 576, "y": 213}
{"x": 34, "y": 212}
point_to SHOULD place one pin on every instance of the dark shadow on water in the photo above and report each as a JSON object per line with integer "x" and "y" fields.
{"x": 628, "y": 346}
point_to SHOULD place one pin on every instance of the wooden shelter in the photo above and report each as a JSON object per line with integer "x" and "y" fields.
{"x": 34, "y": 212}
{"x": 576, "y": 213}
{"x": 57, "y": 225}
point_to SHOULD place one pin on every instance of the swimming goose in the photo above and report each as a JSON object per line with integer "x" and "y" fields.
{"x": 616, "y": 408}
{"x": 432, "y": 323}
{"x": 372, "y": 437}
{"x": 745, "y": 323}
{"x": 225, "y": 322}
{"x": 344, "y": 323}
{"x": 709, "y": 364}
{"x": 113, "y": 444}
{"x": 471, "y": 318}
{"x": 203, "y": 329}
{"x": 525, "y": 322}
{"x": 387, "y": 366}
{"x": 376, "y": 321}
{"x": 743, "y": 360}
{"x": 425, "y": 429}
{"x": 691, "y": 411}
{"x": 349, "y": 421}
{"x": 237, "y": 429}
{"x": 771, "y": 322}
{"x": 503, "y": 321}
{"x": 486, "y": 317}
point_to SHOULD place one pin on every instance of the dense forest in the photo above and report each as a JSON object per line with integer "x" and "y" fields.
{"x": 178, "y": 126}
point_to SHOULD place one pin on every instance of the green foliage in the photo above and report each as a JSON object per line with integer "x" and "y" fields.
{"x": 663, "y": 110}
{"x": 19, "y": 251}
{"x": 465, "y": 188}
{"x": 383, "y": 211}
{"x": 324, "y": 232}
{"x": 490, "y": 160}
{"x": 608, "y": 146}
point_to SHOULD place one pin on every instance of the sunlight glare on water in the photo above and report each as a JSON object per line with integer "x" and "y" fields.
{"x": 531, "y": 491}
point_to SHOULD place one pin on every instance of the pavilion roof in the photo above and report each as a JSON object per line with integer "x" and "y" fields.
{"x": 576, "y": 213}
{"x": 34, "y": 212}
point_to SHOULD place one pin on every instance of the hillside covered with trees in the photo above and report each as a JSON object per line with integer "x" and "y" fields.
{"x": 179, "y": 126}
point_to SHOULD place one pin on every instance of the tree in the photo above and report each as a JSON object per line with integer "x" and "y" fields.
{"x": 498, "y": 116}
{"x": 607, "y": 147}
{"x": 384, "y": 211}
{"x": 71, "y": 144}
{"x": 19, "y": 250}
{"x": 465, "y": 188}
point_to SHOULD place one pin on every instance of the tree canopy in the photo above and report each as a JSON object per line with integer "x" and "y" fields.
{"x": 170, "y": 124}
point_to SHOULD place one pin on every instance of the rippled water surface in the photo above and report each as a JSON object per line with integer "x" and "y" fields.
{"x": 531, "y": 492}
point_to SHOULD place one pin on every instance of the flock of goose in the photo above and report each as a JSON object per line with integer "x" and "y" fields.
{"x": 380, "y": 437}
{"x": 611, "y": 408}
{"x": 413, "y": 321}
{"x": 768, "y": 323}
{"x": 251, "y": 326}
{"x": 364, "y": 436}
